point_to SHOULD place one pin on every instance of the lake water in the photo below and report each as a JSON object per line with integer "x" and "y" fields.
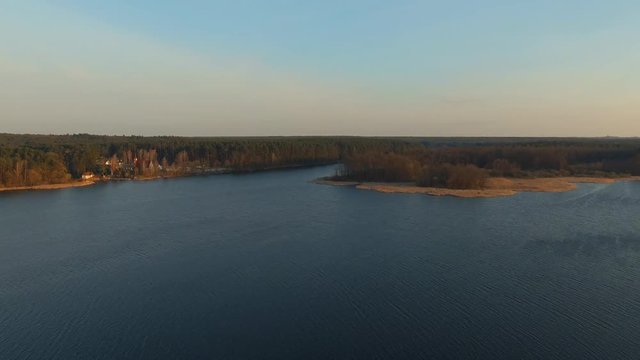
{"x": 269, "y": 266}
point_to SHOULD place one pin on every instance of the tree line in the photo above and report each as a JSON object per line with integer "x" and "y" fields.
{"x": 27, "y": 160}
{"x": 468, "y": 167}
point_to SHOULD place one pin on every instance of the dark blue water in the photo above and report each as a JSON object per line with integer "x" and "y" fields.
{"x": 269, "y": 266}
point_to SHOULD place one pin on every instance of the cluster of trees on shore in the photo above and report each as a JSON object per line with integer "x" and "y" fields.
{"x": 27, "y": 160}
{"x": 468, "y": 166}
{"x": 26, "y": 167}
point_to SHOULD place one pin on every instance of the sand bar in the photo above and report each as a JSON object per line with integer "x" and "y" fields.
{"x": 495, "y": 187}
{"x": 49, "y": 186}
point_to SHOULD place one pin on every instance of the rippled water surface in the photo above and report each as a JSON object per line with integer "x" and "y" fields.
{"x": 269, "y": 266}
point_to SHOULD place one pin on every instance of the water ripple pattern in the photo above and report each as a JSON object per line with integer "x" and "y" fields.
{"x": 270, "y": 266}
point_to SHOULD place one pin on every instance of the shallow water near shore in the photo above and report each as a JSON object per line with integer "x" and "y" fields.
{"x": 271, "y": 266}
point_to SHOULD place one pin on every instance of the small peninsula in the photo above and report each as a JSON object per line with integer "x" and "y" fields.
{"x": 494, "y": 168}
{"x": 494, "y": 187}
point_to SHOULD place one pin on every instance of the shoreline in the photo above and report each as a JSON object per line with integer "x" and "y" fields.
{"x": 48, "y": 186}
{"x": 207, "y": 172}
{"x": 495, "y": 187}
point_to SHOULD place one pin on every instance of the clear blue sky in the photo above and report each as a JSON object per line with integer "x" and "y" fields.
{"x": 249, "y": 67}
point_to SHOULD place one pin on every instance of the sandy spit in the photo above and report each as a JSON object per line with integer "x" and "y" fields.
{"x": 495, "y": 187}
{"x": 49, "y": 186}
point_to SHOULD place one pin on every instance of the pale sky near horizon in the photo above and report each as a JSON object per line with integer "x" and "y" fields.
{"x": 286, "y": 67}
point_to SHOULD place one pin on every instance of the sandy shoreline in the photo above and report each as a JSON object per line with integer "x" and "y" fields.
{"x": 495, "y": 187}
{"x": 48, "y": 186}
{"x": 209, "y": 172}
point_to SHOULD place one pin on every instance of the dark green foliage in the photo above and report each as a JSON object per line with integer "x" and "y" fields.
{"x": 43, "y": 159}
{"x": 452, "y": 176}
{"x": 25, "y": 166}
{"x": 446, "y": 162}
{"x": 385, "y": 167}
{"x": 466, "y": 165}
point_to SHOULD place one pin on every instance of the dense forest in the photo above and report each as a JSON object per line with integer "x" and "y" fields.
{"x": 27, "y": 160}
{"x": 467, "y": 165}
